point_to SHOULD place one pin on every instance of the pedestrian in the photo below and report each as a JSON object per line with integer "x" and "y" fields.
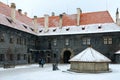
{"x": 39, "y": 62}
{"x": 42, "y": 62}
{"x": 55, "y": 66}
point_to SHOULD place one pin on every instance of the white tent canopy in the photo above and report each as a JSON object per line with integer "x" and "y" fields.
{"x": 90, "y": 55}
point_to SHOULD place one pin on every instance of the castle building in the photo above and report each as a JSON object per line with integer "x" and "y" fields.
{"x": 25, "y": 40}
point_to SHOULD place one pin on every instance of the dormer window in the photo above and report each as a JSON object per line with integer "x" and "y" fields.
{"x": 32, "y": 29}
{"x": 83, "y": 28}
{"x": 9, "y": 20}
{"x": 100, "y": 26}
{"x": 67, "y": 29}
{"x": 25, "y": 26}
{"x": 54, "y": 30}
{"x": 40, "y": 31}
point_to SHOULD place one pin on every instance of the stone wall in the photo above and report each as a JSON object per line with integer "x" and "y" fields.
{"x": 75, "y": 44}
{"x": 15, "y": 45}
{"x": 89, "y": 66}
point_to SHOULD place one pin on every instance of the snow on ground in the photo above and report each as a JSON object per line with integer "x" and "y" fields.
{"x": 34, "y": 72}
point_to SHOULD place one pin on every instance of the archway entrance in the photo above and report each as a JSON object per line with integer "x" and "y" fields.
{"x": 66, "y": 56}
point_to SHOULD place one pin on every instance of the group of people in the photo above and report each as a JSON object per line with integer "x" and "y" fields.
{"x": 42, "y": 62}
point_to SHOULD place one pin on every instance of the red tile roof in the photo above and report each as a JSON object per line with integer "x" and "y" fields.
{"x": 85, "y": 19}
{"x": 6, "y": 10}
{"x": 22, "y": 22}
{"x": 96, "y": 17}
{"x": 68, "y": 20}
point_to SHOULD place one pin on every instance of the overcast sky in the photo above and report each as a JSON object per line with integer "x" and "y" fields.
{"x": 41, "y": 7}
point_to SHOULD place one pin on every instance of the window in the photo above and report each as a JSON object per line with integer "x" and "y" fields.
{"x": 100, "y": 26}
{"x": 25, "y": 26}
{"x": 54, "y": 30}
{"x": 11, "y": 39}
{"x": 32, "y": 56}
{"x": 2, "y": 38}
{"x": 107, "y": 40}
{"x": 1, "y": 57}
{"x": 83, "y": 28}
{"x": 86, "y": 41}
{"x": 21, "y": 41}
{"x": 11, "y": 57}
{"x": 32, "y": 29}
{"x": 40, "y": 31}
{"x": 18, "y": 56}
{"x": 18, "y": 40}
{"x": 24, "y": 41}
{"x": 55, "y": 55}
{"x": 25, "y": 56}
{"x": 55, "y": 42}
{"x": 49, "y": 45}
{"x": 48, "y": 55}
{"x": 67, "y": 42}
{"x": 9, "y": 20}
{"x": 67, "y": 29}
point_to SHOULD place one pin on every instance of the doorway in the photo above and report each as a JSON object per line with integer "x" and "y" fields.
{"x": 66, "y": 56}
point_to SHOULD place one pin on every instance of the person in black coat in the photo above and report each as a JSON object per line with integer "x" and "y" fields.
{"x": 41, "y": 62}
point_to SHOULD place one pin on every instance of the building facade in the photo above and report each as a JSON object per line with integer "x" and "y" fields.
{"x": 55, "y": 38}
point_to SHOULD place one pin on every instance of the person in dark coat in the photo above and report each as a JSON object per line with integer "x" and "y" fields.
{"x": 39, "y": 62}
{"x": 42, "y": 62}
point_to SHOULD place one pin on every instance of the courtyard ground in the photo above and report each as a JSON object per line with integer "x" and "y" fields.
{"x": 34, "y": 72}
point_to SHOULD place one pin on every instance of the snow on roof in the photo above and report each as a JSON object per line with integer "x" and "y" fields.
{"x": 16, "y": 24}
{"x": 90, "y": 55}
{"x": 83, "y": 29}
{"x": 118, "y": 52}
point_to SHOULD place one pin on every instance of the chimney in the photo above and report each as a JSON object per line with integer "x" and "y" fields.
{"x": 19, "y": 11}
{"x": 35, "y": 24}
{"x": 13, "y": 14}
{"x": 25, "y": 13}
{"x": 117, "y": 16}
{"x": 60, "y": 21}
{"x": 79, "y": 11}
{"x": 53, "y": 14}
{"x": 46, "y": 22}
{"x": 64, "y": 13}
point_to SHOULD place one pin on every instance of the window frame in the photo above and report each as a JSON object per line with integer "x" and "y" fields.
{"x": 86, "y": 41}
{"x": 107, "y": 40}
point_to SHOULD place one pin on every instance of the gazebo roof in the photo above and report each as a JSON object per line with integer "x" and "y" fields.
{"x": 90, "y": 55}
{"x": 118, "y": 52}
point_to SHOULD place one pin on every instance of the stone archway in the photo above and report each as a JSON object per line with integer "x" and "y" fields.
{"x": 66, "y": 55}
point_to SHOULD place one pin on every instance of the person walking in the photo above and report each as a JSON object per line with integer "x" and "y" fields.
{"x": 39, "y": 62}
{"x": 42, "y": 62}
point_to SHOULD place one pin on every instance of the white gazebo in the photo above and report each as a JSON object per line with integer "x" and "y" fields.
{"x": 89, "y": 60}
